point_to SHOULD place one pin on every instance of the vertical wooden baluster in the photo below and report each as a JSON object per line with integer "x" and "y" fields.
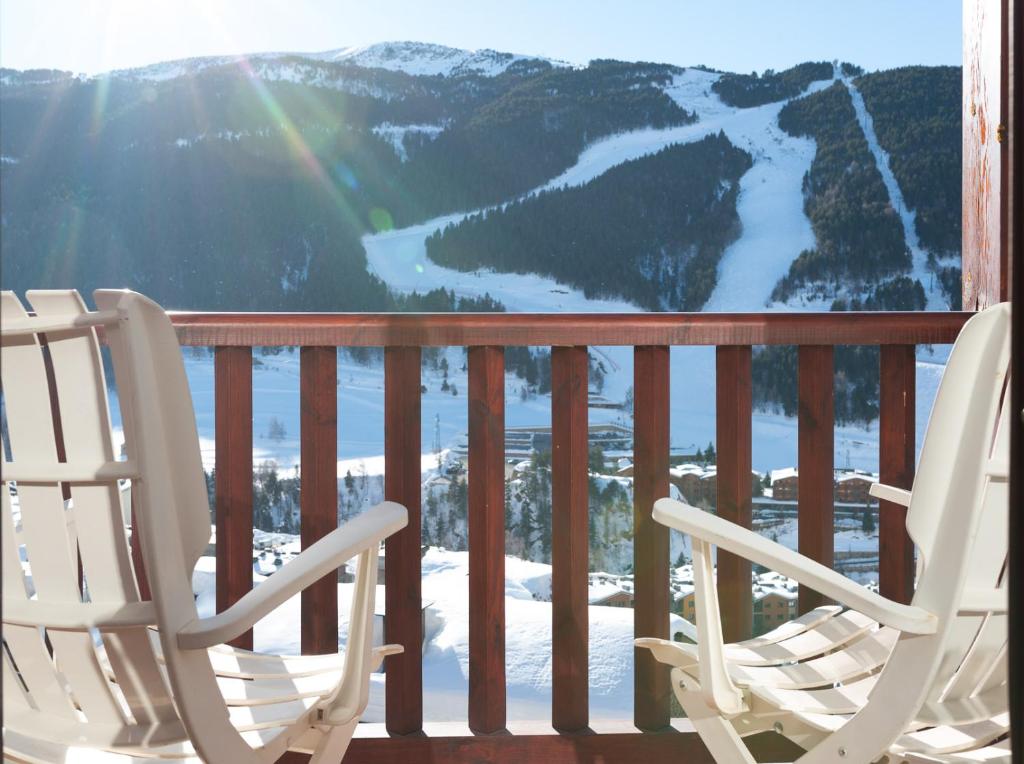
{"x": 318, "y": 497}
{"x": 650, "y": 539}
{"x": 815, "y": 522}
{"x": 486, "y": 539}
{"x": 896, "y": 466}
{"x": 403, "y": 622}
{"x": 734, "y": 412}
{"x": 233, "y": 484}
{"x": 569, "y": 539}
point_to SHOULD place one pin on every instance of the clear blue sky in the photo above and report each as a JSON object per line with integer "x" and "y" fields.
{"x": 737, "y": 35}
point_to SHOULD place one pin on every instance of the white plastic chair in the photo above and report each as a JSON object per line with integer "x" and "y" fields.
{"x": 106, "y": 671}
{"x": 924, "y": 682}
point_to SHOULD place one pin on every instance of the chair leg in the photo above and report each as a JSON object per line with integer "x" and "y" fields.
{"x": 333, "y": 744}
{"x": 721, "y": 739}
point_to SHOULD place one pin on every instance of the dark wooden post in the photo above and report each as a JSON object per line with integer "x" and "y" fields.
{"x": 570, "y": 539}
{"x": 815, "y": 510}
{"x": 896, "y": 466}
{"x": 402, "y": 575}
{"x": 734, "y": 412}
{"x": 486, "y": 539}
{"x": 650, "y": 539}
{"x": 233, "y": 477}
{"x": 318, "y": 497}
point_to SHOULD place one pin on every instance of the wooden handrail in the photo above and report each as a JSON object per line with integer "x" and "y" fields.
{"x": 569, "y": 329}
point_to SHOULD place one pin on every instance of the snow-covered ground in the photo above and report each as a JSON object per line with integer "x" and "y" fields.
{"x": 936, "y": 300}
{"x": 446, "y": 651}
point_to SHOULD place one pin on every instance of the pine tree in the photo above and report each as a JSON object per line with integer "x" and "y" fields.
{"x": 867, "y": 521}
{"x": 526, "y": 525}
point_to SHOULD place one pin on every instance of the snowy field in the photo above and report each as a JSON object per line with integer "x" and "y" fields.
{"x": 446, "y": 654}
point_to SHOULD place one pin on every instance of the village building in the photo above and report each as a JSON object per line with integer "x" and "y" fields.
{"x": 784, "y": 484}
{"x": 853, "y": 487}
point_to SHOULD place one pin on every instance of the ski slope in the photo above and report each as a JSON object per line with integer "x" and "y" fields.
{"x": 935, "y": 298}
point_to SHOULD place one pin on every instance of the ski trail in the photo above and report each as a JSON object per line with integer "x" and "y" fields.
{"x": 770, "y": 208}
{"x": 920, "y": 270}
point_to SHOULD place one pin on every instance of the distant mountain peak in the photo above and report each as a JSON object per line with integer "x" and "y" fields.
{"x": 422, "y": 58}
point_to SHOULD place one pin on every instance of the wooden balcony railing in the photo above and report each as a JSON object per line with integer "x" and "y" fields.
{"x": 568, "y": 737}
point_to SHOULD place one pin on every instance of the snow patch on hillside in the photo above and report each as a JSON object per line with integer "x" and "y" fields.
{"x": 395, "y": 135}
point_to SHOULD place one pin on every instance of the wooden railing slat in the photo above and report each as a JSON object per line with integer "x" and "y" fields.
{"x": 403, "y": 623}
{"x": 233, "y": 477}
{"x": 318, "y": 490}
{"x": 569, "y": 539}
{"x": 816, "y": 506}
{"x": 486, "y": 494}
{"x": 650, "y": 539}
{"x": 897, "y": 391}
{"x": 733, "y": 403}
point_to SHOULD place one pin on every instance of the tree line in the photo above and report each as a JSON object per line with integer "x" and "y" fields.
{"x": 651, "y": 230}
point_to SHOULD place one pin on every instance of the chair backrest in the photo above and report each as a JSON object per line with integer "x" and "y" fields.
{"x": 76, "y": 618}
{"x": 957, "y": 518}
{"x": 959, "y": 507}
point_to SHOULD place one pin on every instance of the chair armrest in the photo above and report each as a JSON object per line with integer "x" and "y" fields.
{"x": 363, "y": 533}
{"x": 756, "y": 548}
{"x": 890, "y": 493}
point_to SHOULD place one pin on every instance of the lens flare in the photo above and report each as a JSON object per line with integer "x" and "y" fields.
{"x": 381, "y": 220}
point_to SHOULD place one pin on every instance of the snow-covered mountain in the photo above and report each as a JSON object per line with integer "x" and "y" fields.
{"x": 428, "y": 59}
{"x": 413, "y": 58}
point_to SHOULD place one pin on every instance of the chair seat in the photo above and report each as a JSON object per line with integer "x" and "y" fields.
{"x": 992, "y": 754}
{"x": 821, "y": 669}
{"x": 265, "y": 695}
